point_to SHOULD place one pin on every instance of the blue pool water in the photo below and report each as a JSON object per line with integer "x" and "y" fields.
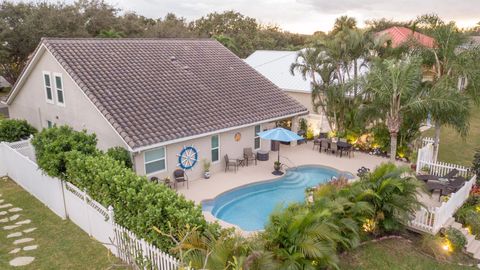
{"x": 250, "y": 206}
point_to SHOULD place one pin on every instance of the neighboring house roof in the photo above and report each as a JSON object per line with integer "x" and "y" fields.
{"x": 275, "y": 66}
{"x": 399, "y": 35}
{"x": 158, "y": 90}
{"x": 4, "y": 83}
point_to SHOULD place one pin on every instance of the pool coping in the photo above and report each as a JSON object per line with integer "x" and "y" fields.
{"x": 224, "y": 223}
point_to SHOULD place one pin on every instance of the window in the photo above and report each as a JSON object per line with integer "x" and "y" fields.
{"x": 48, "y": 87}
{"x": 155, "y": 160}
{"x": 59, "y": 89}
{"x": 256, "y": 144}
{"x": 49, "y": 124}
{"x": 215, "y": 148}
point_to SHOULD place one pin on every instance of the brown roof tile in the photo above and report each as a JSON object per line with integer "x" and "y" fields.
{"x": 156, "y": 90}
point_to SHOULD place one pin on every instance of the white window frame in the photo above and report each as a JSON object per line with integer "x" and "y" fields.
{"x": 151, "y": 161}
{"x": 255, "y": 136}
{"x": 52, "y": 90}
{"x": 212, "y": 148}
{"x": 55, "y": 75}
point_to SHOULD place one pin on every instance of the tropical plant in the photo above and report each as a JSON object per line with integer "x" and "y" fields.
{"x": 111, "y": 33}
{"x": 121, "y": 154}
{"x": 12, "y": 130}
{"x": 394, "y": 91}
{"x": 53, "y": 144}
{"x": 302, "y": 239}
{"x": 456, "y": 238}
{"x": 392, "y": 192}
{"x": 476, "y": 163}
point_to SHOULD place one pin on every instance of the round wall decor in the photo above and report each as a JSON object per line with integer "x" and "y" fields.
{"x": 187, "y": 158}
{"x": 238, "y": 136}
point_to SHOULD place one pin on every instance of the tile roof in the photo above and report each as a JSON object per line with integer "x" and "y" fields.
{"x": 400, "y": 35}
{"x": 157, "y": 90}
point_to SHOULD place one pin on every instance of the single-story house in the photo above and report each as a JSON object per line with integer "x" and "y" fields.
{"x": 172, "y": 103}
{"x": 275, "y": 66}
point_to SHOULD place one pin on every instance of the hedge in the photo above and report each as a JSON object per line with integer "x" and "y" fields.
{"x": 12, "y": 130}
{"x": 121, "y": 154}
{"x": 52, "y": 144}
{"x": 138, "y": 203}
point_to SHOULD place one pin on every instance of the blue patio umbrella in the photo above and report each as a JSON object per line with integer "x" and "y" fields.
{"x": 279, "y": 134}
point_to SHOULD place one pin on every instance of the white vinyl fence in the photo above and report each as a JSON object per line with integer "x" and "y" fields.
{"x": 68, "y": 201}
{"x": 432, "y": 219}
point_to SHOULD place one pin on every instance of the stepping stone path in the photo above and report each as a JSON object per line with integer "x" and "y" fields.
{"x": 9, "y": 223}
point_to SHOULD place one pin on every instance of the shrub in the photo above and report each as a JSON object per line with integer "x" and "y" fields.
{"x": 52, "y": 145}
{"x": 12, "y": 130}
{"x": 121, "y": 154}
{"x": 476, "y": 165}
{"x": 309, "y": 134}
{"x": 139, "y": 204}
{"x": 456, "y": 238}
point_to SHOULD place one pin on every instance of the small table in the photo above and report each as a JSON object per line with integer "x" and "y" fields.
{"x": 263, "y": 155}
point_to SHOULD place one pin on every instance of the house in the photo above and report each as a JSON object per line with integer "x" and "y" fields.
{"x": 399, "y": 35}
{"x": 275, "y": 66}
{"x": 171, "y": 102}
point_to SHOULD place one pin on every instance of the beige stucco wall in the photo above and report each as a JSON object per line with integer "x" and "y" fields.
{"x": 30, "y": 104}
{"x": 228, "y": 145}
{"x": 317, "y": 121}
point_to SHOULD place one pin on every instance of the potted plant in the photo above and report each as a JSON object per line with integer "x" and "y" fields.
{"x": 425, "y": 169}
{"x": 206, "y": 169}
{"x": 277, "y": 166}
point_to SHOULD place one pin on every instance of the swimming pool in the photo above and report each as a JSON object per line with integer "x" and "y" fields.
{"x": 250, "y": 206}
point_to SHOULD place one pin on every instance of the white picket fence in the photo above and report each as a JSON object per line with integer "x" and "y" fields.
{"x": 68, "y": 201}
{"x": 432, "y": 219}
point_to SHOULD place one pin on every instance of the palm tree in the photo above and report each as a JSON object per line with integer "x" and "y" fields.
{"x": 392, "y": 192}
{"x": 343, "y": 23}
{"x": 394, "y": 89}
{"x": 111, "y": 33}
{"x": 455, "y": 67}
{"x": 302, "y": 239}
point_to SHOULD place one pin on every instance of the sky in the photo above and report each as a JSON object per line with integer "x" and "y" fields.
{"x": 308, "y": 16}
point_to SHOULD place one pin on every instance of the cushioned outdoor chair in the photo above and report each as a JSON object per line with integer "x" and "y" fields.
{"x": 324, "y": 146}
{"x": 179, "y": 176}
{"x": 333, "y": 148}
{"x": 248, "y": 155}
{"x": 426, "y": 177}
{"x": 231, "y": 163}
{"x": 316, "y": 142}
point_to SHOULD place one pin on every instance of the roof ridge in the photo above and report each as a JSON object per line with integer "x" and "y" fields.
{"x": 122, "y": 39}
{"x": 276, "y": 59}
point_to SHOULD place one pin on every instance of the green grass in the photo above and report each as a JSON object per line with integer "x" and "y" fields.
{"x": 395, "y": 254}
{"x": 453, "y": 148}
{"x": 61, "y": 244}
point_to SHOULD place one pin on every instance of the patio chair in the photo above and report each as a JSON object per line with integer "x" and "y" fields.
{"x": 231, "y": 162}
{"x": 324, "y": 146}
{"x": 317, "y": 142}
{"x": 179, "y": 176}
{"x": 248, "y": 154}
{"x": 348, "y": 151}
{"x": 333, "y": 148}
{"x": 342, "y": 140}
{"x": 427, "y": 177}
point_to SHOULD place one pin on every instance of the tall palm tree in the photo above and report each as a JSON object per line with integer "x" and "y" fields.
{"x": 455, "y": 67}
{"x": 343, "y": 23}
{"x": 394, "y": 89}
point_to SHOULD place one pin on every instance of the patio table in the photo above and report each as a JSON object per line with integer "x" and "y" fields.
{"x": 341, "y": 146}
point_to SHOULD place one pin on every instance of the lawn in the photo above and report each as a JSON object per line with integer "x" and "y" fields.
{"x": 453, "y": 148}
{"x": 394, "y": 254}
{"x": 61, "y": 244}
